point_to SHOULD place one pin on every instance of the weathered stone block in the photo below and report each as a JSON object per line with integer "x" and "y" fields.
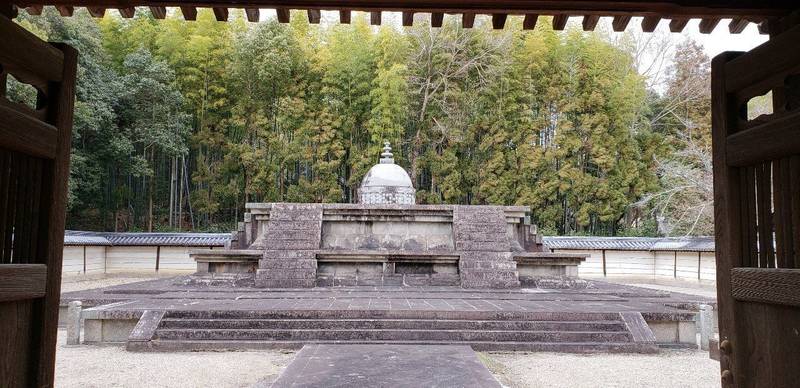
{"x": 414, "y": 244}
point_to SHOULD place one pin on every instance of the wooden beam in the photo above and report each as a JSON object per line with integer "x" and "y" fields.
{"x": 590, "y": 22}
{"x": 677, "y": 24}
{"x": 38, "y": 139}
{"x": 27, "y": 56}
{"x": 707, "y": 25}
{"x": 97, "y": 12}
{"x": 22, "y": 281}
{"x": 499, "y": 20}
{"x": 766, "y": 285}
{"x": 467, "y": 20}
{"x": 559, "y": 22}
{"x": 375, "y": 18}
{"x": 620, "y": 22}
{"x": 777, "y": 138}
{"x": 158, "y": 12}
{"x": 408, "y": 18}
{"x": 436, "y": 19}
{"x": 738, "y": 25}
{"x": 127, "y": 13}
{"x": 253, "y": 14}
{"x": 529, "y": 22}
{"x": 344, "y": 16}
{"x": 650, "y": 23}
{"x": 34, "y": 9}
{"x": 764, "y": 67}
{"x": 189, "y": 13}
{"x": 221, "y": 14}
{"x": 283, "y": 14}
{"x": 314, "y": 16}
{"x": 65, "y": 10}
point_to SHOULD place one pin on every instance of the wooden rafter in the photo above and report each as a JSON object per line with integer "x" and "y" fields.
{"x": 499, "y": 21}
{"x": 707, "y": 25}
{"x": 344, "y": 16}
{"x": 678, "y": 24}
{"x": 560, "y": 22}
{"x": 590, "y": 22}
{"x": 314, "y": 16}
{"x": 436, "y": 19}
{"x": 408, "y": 18}
{"x": 529, "y": 22}
{"x": 34, "y": 9}
{"x": 158, "y": 12}
{"x": 127, "y": 13}
{"x": 649, "y": 23}
{"x": 467, "y": 20}
{"x": 189, "y": 13}
{"x": 221, "y": 14}
{"x": 97, "y": 12}
{"x": 253, "y": 14}
{"x": 620, "y": 22}
{"x": 375, "y": 18}
{"x": 65, "y": 10}
{"x": 737, "y": 25}
{"x": 283, "y": 14}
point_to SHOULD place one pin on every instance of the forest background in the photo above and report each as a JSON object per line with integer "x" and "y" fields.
{"x": 179, "y": 124}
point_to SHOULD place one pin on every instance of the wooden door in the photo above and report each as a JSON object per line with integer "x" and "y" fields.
{"x": 34, "y": 167}
{"x": 757, "y": 214}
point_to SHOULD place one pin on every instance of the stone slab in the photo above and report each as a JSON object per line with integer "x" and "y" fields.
{"x": 386, "y": 366}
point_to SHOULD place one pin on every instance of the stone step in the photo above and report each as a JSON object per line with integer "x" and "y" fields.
{"x": 563, "y": 347}
{"x": 394, "y": 314}
{"x": 412, "y": 324}
{"x": 392, "y": 335}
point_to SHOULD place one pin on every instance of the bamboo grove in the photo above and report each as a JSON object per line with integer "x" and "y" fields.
{"x": 179, "y": 124}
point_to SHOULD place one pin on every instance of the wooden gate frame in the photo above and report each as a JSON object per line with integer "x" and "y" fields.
{"x": 34, "y": 169}
{"x": 757, "y": 213}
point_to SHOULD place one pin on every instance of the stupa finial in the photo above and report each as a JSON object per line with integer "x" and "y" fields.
{"x": 386, "y": 156}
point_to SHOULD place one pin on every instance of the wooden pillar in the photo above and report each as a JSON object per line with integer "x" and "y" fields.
{"x": 604, "y": 263}
{"x": 158, "y": 256}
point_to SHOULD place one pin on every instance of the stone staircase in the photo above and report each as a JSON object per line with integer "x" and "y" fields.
{"x": 483, "y": 330}
{"x": 481, "y": 237}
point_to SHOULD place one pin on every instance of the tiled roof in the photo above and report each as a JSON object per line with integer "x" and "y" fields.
{"x": 150, "y": 239}
{"x": 702, "y": 244}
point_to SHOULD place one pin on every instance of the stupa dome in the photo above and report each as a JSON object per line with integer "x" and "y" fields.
{"x": 387, "y": 183}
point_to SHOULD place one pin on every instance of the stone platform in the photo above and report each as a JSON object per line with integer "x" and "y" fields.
{"x": 386, "y": 366}
{"x": 603, "y": 317}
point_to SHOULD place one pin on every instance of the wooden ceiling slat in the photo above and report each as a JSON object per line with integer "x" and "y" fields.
{"x": 436, "y": 19}
{"x": 559, "y": 22}
{"x": 590, "y": 22}
{"x": 221, "y": 14}
{"x": 97, "y": 12}
{"x": 499, "y": 20}
{"x": 314, "y": 16}
{"x": 650, "y": 23}
{"x": 127, "y": 13}
{"x": 467, "y": 20}
{"x": 375, "y": 18}
{"x": 253, "y": 14}
{"x": 189, "y": 13}
{"x": 707, "y": 25}
{"x": 158, "y": 12}
{"x": 34, "y": 9}
{"x": 738, "y": 25}
{"x": 65, "y": 10}
{"x": 620, "y": 22}
{"x": 529, "y": 22}
{"x": 283, "y": 14}
{"x": 344, "y": 16}
{"x": 677, "y": 24}
{"x": 408, "y": 18}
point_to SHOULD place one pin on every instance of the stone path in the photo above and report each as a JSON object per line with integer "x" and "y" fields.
{"x": 399, "y": 366}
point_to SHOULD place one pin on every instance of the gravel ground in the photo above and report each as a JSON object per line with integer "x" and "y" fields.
{"x": 111, "y": 366}
{"x": 668, "y": 369}
{"x": 69, "y": 285}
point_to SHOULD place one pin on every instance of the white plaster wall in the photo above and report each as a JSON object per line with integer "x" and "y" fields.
{"x": 176, "y": 259}
{"x": 687, "y": 265}
{"x": 629, "y": 263}
{"x": 95, "y": 260}
{"x": 664, "y": 264}
{"x": 72, "y": 263}
{"x": 592, "y": 267}
{"x": 708, "y": 266}
{"x": 131, "y": 259}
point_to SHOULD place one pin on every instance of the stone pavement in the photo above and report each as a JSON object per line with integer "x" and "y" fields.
{"x": 398, "y": 366}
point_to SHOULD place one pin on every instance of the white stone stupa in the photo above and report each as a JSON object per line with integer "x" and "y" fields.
{"x": 387, "y": 183}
